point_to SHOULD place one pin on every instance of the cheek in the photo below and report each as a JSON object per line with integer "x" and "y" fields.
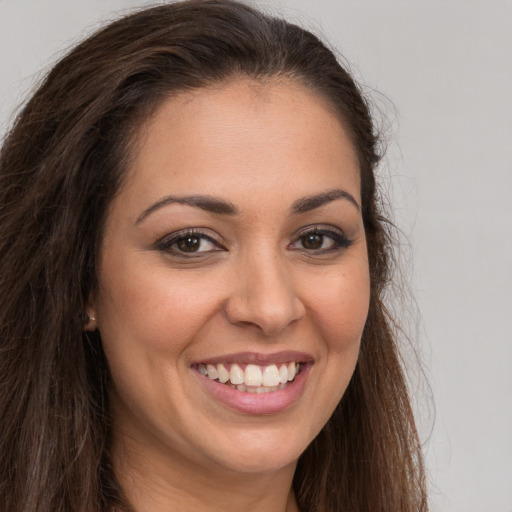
{"x": 341, "y": 308}
{"x": 338, "y": 311}
{"x": 154, "y": 309}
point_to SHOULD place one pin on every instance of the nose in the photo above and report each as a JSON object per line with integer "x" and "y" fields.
{"x": 264, "y": 296}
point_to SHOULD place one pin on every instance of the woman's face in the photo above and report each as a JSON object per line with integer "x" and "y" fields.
{"x": 234, "y": 255}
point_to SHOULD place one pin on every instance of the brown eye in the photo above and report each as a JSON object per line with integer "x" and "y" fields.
{"x": 189, "y": 244}
{"x": 321, "y": 240}
{"x": 312, "y": 241}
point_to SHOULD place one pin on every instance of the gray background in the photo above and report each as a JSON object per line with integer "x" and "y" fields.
{"x": 443, "y": 70}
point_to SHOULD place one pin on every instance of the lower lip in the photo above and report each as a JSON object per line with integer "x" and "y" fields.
{"x": 258, "y": 403}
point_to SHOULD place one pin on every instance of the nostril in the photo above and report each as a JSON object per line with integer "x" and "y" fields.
{"x": 267, "y": 318}
{"x": 263, "y": 295}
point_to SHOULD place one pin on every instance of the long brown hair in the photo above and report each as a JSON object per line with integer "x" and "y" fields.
{"x": 60, "y": 166}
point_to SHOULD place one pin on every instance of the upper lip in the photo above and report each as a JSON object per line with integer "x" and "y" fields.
{"x": 259, "y": 358}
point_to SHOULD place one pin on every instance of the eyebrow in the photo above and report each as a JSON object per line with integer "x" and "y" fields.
{"x": 219, "y": 206}
{"x": 309, "y": 203}
{"x": 207, "y": 203}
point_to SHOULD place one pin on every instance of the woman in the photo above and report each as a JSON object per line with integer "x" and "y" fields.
{"x": 193, "y": 261}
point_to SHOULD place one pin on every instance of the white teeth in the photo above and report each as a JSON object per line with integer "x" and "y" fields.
{"x": 271, "y": 376}
{"x": 253, "y": 375}
{"x": 223, "y": 373}
{"x": 255, "y": 378}
{"x": 212, "y": 371}
{"x": 236, "y": 375}
{"x": 266, "y": 389}
{"x": 283, "y": 374}
{"x": 292, "y": 371}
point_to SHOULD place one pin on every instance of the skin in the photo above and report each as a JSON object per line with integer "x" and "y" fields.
{"x": 259, "y": 287}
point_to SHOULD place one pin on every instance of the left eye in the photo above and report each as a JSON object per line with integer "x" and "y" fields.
{"x": 321, "y": 241}
{"x": 314, "y": 241}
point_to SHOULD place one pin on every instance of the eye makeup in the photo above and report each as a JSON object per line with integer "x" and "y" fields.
{"x": 191, "y": 242}
{"x": 321, "y": 239}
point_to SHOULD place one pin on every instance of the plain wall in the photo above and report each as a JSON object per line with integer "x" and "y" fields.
{"x": 444, "y": 71}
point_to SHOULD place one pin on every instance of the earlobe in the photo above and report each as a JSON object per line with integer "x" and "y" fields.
{"x": 90, "y": 320}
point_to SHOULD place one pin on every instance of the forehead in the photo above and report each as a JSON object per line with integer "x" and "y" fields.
{"x": 244, "y": 133}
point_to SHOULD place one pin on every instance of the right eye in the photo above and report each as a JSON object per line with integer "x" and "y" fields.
{"x": 189, "y": 243}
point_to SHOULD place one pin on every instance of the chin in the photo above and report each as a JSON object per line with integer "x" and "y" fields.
{"x": 258, "y": 451}
{"x": 259, "y": 463}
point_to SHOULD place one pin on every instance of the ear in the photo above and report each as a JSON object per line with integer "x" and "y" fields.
{"x": 90, "y": 323}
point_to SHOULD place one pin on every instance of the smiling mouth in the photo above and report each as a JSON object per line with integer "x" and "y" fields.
{"x": 252, "y": 378}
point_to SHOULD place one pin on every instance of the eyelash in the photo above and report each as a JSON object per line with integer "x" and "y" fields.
{"x": 166, "y": 244}
{"x": 339, "y": 241}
